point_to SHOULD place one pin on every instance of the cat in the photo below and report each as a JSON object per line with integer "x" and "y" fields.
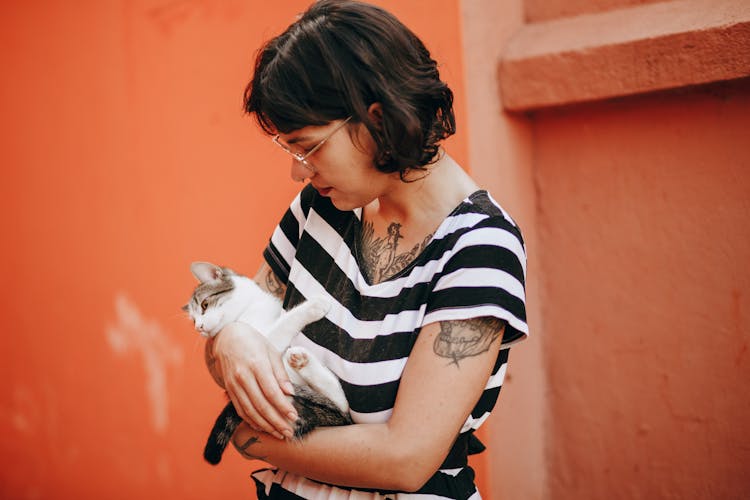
{"x": 222, "y": 297}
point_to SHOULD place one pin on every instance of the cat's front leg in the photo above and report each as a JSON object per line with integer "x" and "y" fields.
{"x": 317, "y": 376}
{"x": 309, "y": 311}
{"x": 290, "y": 323}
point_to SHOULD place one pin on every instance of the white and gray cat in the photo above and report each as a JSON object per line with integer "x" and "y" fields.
{"x": 223, "y": 297}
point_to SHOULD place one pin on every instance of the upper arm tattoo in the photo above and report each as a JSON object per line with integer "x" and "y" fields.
{"x": 273, "y": 284}
{"x": 465, "y": 338}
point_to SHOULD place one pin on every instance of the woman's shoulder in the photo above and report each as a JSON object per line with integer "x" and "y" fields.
{"x": 481, "y": 210}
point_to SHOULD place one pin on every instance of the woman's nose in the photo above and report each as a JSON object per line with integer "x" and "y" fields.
{"x": 299, "y": 171}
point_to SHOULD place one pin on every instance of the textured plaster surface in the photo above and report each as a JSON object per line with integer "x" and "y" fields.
{"x": 643, "y": 208}
{"x": 500, "y": 147}
{"x": 637, "y": 50}
{"x": 540, "y": 10}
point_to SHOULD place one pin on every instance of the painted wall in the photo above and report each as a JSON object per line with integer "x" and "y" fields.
{"x": 125, "y": 156}
{"x": 542, "y": 10}
{"x": 501, "y": 157}
{"x": 644, "y": 237}
{"x": 635, "y": 213}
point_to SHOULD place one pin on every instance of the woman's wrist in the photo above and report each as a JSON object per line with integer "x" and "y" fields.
{"x": 212, "y": 362}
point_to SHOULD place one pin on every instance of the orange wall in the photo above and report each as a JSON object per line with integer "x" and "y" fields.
{"x": 501, "y": 157}
{"x": 542, "y": 10}
{"x": 635, "y": 214}
{"x": 125, "y": 157}
{"x": 643, "y": 211}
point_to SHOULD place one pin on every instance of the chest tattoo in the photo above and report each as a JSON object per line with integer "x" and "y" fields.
{"x": 382, "y": 257}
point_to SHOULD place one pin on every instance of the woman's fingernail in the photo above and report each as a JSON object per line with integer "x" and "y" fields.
{"x": 289, "y": 434}
{"x": 288, "y": 388}
{"x": 292, "y": 416}
{"x": 278, "y": 436}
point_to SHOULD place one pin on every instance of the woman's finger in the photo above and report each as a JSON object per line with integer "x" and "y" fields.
{"x": 276, "y": 387}
{"x": 253, "y": 372}
{"x": 279, "y": 371}
{"x": 275, "y": 422}
{"x": 242, "y": 397}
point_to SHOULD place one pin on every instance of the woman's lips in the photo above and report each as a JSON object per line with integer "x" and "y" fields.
{"x": 323, "y": 191}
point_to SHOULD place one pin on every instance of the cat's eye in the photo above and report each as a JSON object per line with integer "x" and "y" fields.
{"x": 204, "y": 305}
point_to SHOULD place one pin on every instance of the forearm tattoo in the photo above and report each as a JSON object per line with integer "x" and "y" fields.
{"x": 381, "y": 255}
{"x": 275, "y": 286}
{"x": 243, "y": 448}
{"x": 465, "y": 338}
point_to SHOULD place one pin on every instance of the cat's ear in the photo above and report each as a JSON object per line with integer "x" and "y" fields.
{"x": 205, "y": 271}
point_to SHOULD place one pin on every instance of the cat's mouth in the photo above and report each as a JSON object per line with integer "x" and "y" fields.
{"x": 210, "y": 333}
{"x": 205, "y": 332}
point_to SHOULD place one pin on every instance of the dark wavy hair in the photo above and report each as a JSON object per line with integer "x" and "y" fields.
{"x": 336, "y": 60}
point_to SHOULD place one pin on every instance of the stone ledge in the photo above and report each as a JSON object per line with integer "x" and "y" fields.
{"x": 625, "y": 52}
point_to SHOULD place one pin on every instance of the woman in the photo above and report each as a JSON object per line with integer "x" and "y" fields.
{"x": 425, "y": 271}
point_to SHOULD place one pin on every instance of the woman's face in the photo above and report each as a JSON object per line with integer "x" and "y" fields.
{"x": 342, "y": 168}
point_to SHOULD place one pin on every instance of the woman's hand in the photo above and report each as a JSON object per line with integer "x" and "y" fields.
{"x": 243, "y": 362}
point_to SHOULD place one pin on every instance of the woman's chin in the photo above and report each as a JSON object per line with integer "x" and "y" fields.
{"x": 348, "y": 203}
{"x": 341, "y": 204}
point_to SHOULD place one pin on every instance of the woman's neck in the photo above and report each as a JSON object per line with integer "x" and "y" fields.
{"x": 428, "y": 195}
{"x": 397, "y": 226}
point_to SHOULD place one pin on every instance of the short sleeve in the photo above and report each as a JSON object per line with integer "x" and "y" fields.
{"x": 484, "y": 274}
{"x": 279, "y": 254}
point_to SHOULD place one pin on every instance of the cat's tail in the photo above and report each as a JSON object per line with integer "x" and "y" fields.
{"x": 221, "y": 433}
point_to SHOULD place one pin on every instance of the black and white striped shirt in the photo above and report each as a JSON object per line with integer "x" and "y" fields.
{"x": 474, "y": 265}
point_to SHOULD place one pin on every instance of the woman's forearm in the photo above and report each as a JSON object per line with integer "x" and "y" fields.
{"x": 360, "y": 455}
{"x": 433, "y": 402}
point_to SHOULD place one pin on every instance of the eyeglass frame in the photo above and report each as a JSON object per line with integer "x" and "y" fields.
{"x": 303, "y": 158}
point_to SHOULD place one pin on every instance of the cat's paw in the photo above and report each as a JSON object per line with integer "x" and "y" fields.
{"x": 318, "y": 307}
{"x": 296, "y": 357}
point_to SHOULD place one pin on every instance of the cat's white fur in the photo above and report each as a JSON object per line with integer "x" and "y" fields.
{"x": 248, "y": 303}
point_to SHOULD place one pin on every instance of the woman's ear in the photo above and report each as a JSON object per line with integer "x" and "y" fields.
{"x": 375, "y": 113}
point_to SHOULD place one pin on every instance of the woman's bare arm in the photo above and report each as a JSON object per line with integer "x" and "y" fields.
{"x": 444, "y": 377}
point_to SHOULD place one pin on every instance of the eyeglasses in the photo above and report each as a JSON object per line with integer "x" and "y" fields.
{"x": 303, "y": 157}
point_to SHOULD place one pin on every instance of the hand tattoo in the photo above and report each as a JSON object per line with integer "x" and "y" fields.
{"x": 462, "y": 339}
